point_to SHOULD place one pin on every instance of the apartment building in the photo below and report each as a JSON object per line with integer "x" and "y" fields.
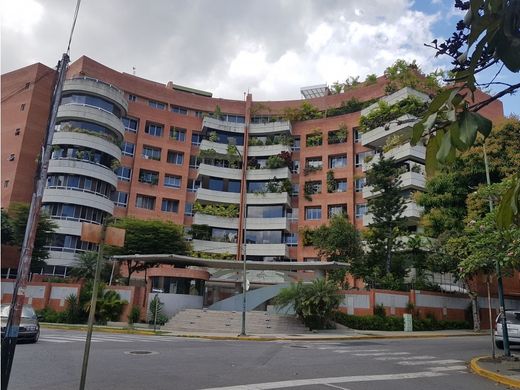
{"x": 127, "y": 146}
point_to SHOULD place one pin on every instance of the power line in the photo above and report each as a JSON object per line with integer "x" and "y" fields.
{"x": 14, "y": 93}
{"x": 78, "y": 3}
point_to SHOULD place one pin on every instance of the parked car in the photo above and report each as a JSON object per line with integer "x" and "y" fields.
{"x": 513, "y": 328}
{"x": 29, "y": 324}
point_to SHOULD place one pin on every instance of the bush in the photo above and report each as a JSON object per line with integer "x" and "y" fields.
{"x": 396, "y": 323}
{"x": 51, "y": 315}
{"x": 135, "y": 314}
{"x": 379, "y": 310}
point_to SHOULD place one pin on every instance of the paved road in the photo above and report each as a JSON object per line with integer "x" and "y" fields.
{"x": 177, "y": 363}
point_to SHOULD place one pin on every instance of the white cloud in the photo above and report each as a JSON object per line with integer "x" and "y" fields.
{"x": 21, "y": 16}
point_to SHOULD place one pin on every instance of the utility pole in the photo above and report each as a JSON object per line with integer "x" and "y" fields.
{"x": 13, "y": 320}
{"x": 505, "y": 333}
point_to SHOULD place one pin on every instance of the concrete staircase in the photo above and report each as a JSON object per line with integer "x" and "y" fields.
{"x": 213, "y": 321}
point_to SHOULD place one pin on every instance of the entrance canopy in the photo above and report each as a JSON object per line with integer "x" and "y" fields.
{"x": 185, "y": 261}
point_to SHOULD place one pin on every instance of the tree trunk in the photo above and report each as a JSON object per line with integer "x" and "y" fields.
{"x": 389, "y": 253}
{"x": 130, "y": 271}
{"x": 475, "y": 311}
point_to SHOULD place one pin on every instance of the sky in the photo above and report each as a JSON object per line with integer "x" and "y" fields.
{"x": 270, "y": 48}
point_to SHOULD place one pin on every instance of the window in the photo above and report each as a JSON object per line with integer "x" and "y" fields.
{"x": 233, "y": 186}
{"x": 170, "y": 205}
{"x": 130, "y": 124}
{"x": 337, "y": 209}
{"x": 295, "y": 189}
{"x": 265, "y": 211}
{"x": 339, "y": 161}
{"x": 172, "y": 181}
{"x": 17, "y": 131}
{"x": 292, "y": 215}
{"x": 357, "y": 135}
{"x": 121, "y": 199}
{"x": 179, "y": 110}
{"x": 6, "y": 183}
{"x": 199, "y": 114}
{"x": 337, "y": 137}
{"x": 11, "y": 157}
{"x": 145, "y": 202}
{"x": 194, "y": 162}
{"x": 360, "y": 183}
{"x": 128, "y": 149}
{"x": 175, "y": 157}
{"x": 312, "y": 187}
{"x": 341, "y": 185}
{"x": 124, "y": 173}
{"x": 196, "y": 138}
{"x": 215, "y": 184}
{"x": 178, "y": 134}
{"x": 291, "y": 239}
{"x": 312, "y": 213}
{"x": 314, "y": 139}
{"x": 22, "y": 107}
{"x": 314, "y": 162}
{"x": 154, "y": 129}
{"x": 156, "y": 104}
{"x": 360, "y": 158}
{"x": 188, "y": 209}
{"x": 193, "y": 185}
{"x": 132, "y": 98}
{"x": 296, "y": 144}
{"x": 295, "y": 166}
{"x": 150, "y": 177}
{"x": 361, "y": 209}
{"x": 151, "y": 153}
{"x": 233, "y": 118}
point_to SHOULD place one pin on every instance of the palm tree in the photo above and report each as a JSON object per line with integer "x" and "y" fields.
{"x": 85, "y": 267}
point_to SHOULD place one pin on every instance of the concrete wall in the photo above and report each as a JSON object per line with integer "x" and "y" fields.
{"x": 174, "y": 303}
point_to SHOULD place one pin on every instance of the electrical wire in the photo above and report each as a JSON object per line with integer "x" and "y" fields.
{"x": 78, "y": 3}
{"x": 14, "y": 93}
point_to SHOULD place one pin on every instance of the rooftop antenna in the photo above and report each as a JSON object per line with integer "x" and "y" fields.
{"x": 133, "y": 70}
{"x": 20, "y": 286}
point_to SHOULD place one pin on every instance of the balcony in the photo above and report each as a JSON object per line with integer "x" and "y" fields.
{"x": 268, "y": 174}
{"x": 267, "y": 250}
{"x": 221, "y": 172}
{"x": 211, "y": 220}
{"x": 409, "y": 180}
{"x": 270, "y": 128}
{"x": 68, "y": 227}
{"x": 209, "y": 123}
{"x": 87, "y": 141}
{"x": 402, "y": 126}
{"x": 396, "y": 97}
{"x": 214, "y": 246}
{"x": 210, "y": 196}
{"x": 83, "y": 168}
{"x": 78, "y": 196}
{"x": 269, "y": 198}
{"x": 401, "y": 153}
{"x": 251, "y": 223}
{"x": 267, "y": 150}
{"x": 218, "y": 147}
{"x": 96, "y": 87}
{"x": 91, "y": 114}
{"x": 412, "y": 213}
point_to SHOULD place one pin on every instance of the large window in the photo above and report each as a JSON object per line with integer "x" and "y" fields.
{"x": 170, "y": 205}
{"x": 340, "y": 185}
{"x": 264, "y": 237}
{"x": 196, "y": 138}
{"x": 361, "y": 209}
{"x": 172, "y": 181}
{"x": 339, "y": 161}
{"x": 175, "y": 157}
{"x": 145, "y": 202}
{"x": 360, "y": 183}
{"x": 188, "y": 209}
{"x": 314, "y": 162}
{"x": 312, "y": 187}
{"x": 149, "y": 152}
{"x": 72, "y": 212}
{"x": 194, "y": 162}
{"x": 124, "y": 173}
{"x": 265, "y": 211}
{"x": 89, "y": 100}
{"x": 233, "y": 186}
{"x": 312, "y": 213}
{"x": 121, "y": 199}
{"x": 128, "y": 149}
{"x": 357, "y": 135}
{"x": 337, "y": 209}
{"x": 179, "y": 110}
{"x": 216, "y": 184}
{"x": 193, "y": 185}
{"x": 178, "y": 134}
{"x": 291, "y": 239}
{"x": 360, "y": 158}
{"x": 156, "y": 104}
{"x": 154, "y": 129}
{"x": 80, "y": 183}
{"x": 150, "y": 177}
{"x": 296, "y": 144}
{"x": 130, "y": 124}
{"x": 68, "y": 243}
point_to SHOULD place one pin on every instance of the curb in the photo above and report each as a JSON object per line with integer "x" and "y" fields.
{"x": 493, "y": 375}
{"x": 106, "y": 330}
{"x": 365, "y": 337}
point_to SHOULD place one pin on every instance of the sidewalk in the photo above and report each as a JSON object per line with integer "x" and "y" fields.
{"x": 504, "y": 371}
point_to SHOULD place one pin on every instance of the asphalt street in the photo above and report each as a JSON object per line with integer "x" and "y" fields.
{"x": 121, "y": 361}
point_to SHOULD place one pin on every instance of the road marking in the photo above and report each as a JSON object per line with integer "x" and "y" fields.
{"x": 358, "y": 350}
{"x": 331, "y": 380}
{"x": 53, "y": 340}
{"x": 423, "y": 357}
{"x": 381, "y": 353}
{"x": 452, "y": 368}
{"x": 336, "y": 387}
{"x": 447, "y": 361}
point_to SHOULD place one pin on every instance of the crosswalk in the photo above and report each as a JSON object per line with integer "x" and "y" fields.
{"x": 61, "y": 338}
{"x": 402, "y": 358}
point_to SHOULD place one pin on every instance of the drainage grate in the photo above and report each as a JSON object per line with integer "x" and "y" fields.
{"x": 141, "y": 353}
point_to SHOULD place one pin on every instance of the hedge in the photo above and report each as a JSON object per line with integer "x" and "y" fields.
{"x": 396, "y": 323}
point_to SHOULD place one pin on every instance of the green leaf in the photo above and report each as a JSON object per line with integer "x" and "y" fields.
{"x": 484, "y": 124}
{"x": 509, "y": 205}
{"x": 455, "y": 137}
{"x": 444, "y": 148}
{"x": 417, "y": 132}
{"x": 468, "y": 126}
{"x": 431, "y": 154}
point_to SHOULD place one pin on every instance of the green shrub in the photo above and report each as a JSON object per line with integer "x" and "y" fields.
{"x": 379, "y": 310}
{"x": 50, "y": 315}
{"x": 135, "y": 314}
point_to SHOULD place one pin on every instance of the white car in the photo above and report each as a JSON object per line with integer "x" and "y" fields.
{"x": 513, "y": 328}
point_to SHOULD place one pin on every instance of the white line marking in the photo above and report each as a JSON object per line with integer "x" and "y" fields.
{"x": 381, "y": 353}
{"x": 405, "y": 357}
{"x": 336, "y": 387}
{"x": 53, "y": 341}
{"x": 452, "y": 368}
{"x": 447, "y": 361}
{"x": 358, "y": 350}
{"x": 322, "y": 381}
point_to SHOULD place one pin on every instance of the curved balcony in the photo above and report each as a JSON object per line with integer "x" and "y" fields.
{"x": 216, "y": 124}
{"x": 97, "y": 87}
{"x": 267, "y": 250}
{"x": 268, "y": 174}
{"x": 68, "y": 227}
{"x": 91, "y": 114}
{"x": 88, "y": 141}
{"x": 223, "y": 173}
{"x": 218, "y": 147}
{"x": 214, "y": 246}
{"x": 409, "y": 180}
{"x": 402, "y": 126}
{"x": 270, "y": 128}
{"x": 78, "y": 196}
{"x": 57, "y": 258}
{"x": 397, "y": 97}
{"x": 84, "y": 168}
{"x": 211, "y": 220}
{"x": 267, "y": 150}
{"x": 412, "y": 213}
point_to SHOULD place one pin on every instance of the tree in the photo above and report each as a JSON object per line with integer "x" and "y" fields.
{"x": 16, "y": 221}
{"x": 314, "y": 303}
{"x": 148, "y": 237}
{"x": 339, "y": 241}
{"x": 85, "y": 267}
{"x": 7, "y": 229}
{"x": 487, "y": 36}
{"x": 386, "y": 209}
